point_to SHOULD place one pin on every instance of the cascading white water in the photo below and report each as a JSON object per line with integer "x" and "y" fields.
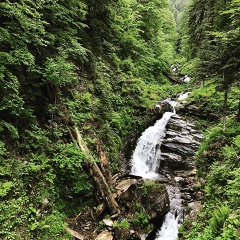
{"x": 145, "y": 159}
{"x": 145, "y": 162}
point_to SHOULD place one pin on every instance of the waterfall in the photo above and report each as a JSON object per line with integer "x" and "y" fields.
{"x": 145, "y": 159}
{"x": 146, "y": 156}
{"x": 145, "y": 162}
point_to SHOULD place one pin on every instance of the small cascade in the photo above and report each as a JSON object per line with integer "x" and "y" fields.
{"x": 173, "y": 219}
{"x": 182, "y": 96}
{"x": 145, "y": 159}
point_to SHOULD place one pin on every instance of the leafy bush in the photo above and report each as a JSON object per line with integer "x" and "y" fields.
{"x": 218, "y": 157}
{"x": 51, "y": 225}
{"x": 141, "y": 218}
{"x": 123, "y": 224}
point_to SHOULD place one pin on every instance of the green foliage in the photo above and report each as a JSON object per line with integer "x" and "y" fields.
{"x": 58, "y": 71}
{"x": 10, "y": 129}
{"x": 148, "y": 187}
{"x": 99, "y": 65}
{"x": 212, "y": 30}
{"x": 219, "y": 217}
{"x": 144, "y": 191}
{"x": 52, "y": 225}
{"x": 141, "y": 218}
{"x": 123, "y": 224}
{"x": 236, "y": 141}
{"x": 206, "y": 155}
{"x": 146, "y": 35}
{"x": 218, "y": 157}
{"x": 71, "y": 181}
{"x": 5, "y": 188}
{"x": 207, "y": 98}
{"x": 68, "y": 157}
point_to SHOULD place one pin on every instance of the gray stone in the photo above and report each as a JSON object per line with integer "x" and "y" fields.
{"x": 179, "y": 145}
{"x": 108, "y": 222}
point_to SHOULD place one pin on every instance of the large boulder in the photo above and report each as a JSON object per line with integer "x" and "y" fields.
{"x": 150, "y": 195}
{"x": 142, "y": 201}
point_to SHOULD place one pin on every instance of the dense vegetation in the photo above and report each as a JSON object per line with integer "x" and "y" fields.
{"x": 212, "y": 36}
{"x": 96, "y": 64}
{"x": 100, "y": 65}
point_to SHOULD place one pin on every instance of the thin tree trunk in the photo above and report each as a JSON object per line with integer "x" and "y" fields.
{"x": 238, "y": 115}
{"x": 225, "y": 109}
{"x": 105, "y": 167}
{"x": 225, "y": 102}
{"x": 224, "y": 116}
{"x": 97, "y": 175}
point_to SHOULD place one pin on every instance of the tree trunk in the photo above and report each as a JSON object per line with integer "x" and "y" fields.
{"x": 225, "y": 109}
{"x": 104, "y": 164}
{"x": 97, "y": 175}
{"x": 225, "y": 87}
{"x": 238, "y": 115}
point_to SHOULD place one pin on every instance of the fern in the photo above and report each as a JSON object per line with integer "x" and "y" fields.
{"x": 219, "y": 217}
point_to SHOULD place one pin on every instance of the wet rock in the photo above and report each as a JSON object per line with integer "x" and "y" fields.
{"x": 164, "y": 106}
{"x": 186, "y": 197}
{"x": 194, "y": 207}
{"x": 124, "y": 185}
{"x": 179, "y": 179}
{"x": 172, "y": 157}
{"x": 193, "y": 172}
{"x": 156, "y": 202}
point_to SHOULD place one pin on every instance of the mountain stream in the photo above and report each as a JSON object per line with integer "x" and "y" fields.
{"x": 145, "y": 162}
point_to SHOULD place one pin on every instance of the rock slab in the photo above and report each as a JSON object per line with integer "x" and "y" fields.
{"x": 182, "y": 140}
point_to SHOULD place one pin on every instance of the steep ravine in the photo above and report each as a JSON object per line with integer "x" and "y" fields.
{"x": 162, "y": 199}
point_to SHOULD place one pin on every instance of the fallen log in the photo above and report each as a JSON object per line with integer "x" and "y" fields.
{"x": 173, "y": 78}
{"x": 96, "y": 173}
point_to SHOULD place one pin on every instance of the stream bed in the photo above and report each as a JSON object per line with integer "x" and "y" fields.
{"x": 165, "y": 150}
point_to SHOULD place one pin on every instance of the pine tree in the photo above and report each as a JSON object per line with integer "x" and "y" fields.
{"x": 214, "y": 39}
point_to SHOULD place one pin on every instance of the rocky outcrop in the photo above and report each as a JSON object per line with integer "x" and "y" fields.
{"x": 194, "y": 109}
{"x": 163, "y": 106}
{"x": 179, "y": 145}
{"x": 144, "y": 201}
{"x": 152, "y": 197}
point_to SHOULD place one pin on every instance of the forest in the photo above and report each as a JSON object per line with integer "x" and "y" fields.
{"x": 79, "y": 80}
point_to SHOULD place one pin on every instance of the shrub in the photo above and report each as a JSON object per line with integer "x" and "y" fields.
{"x": 123, "y": 224}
